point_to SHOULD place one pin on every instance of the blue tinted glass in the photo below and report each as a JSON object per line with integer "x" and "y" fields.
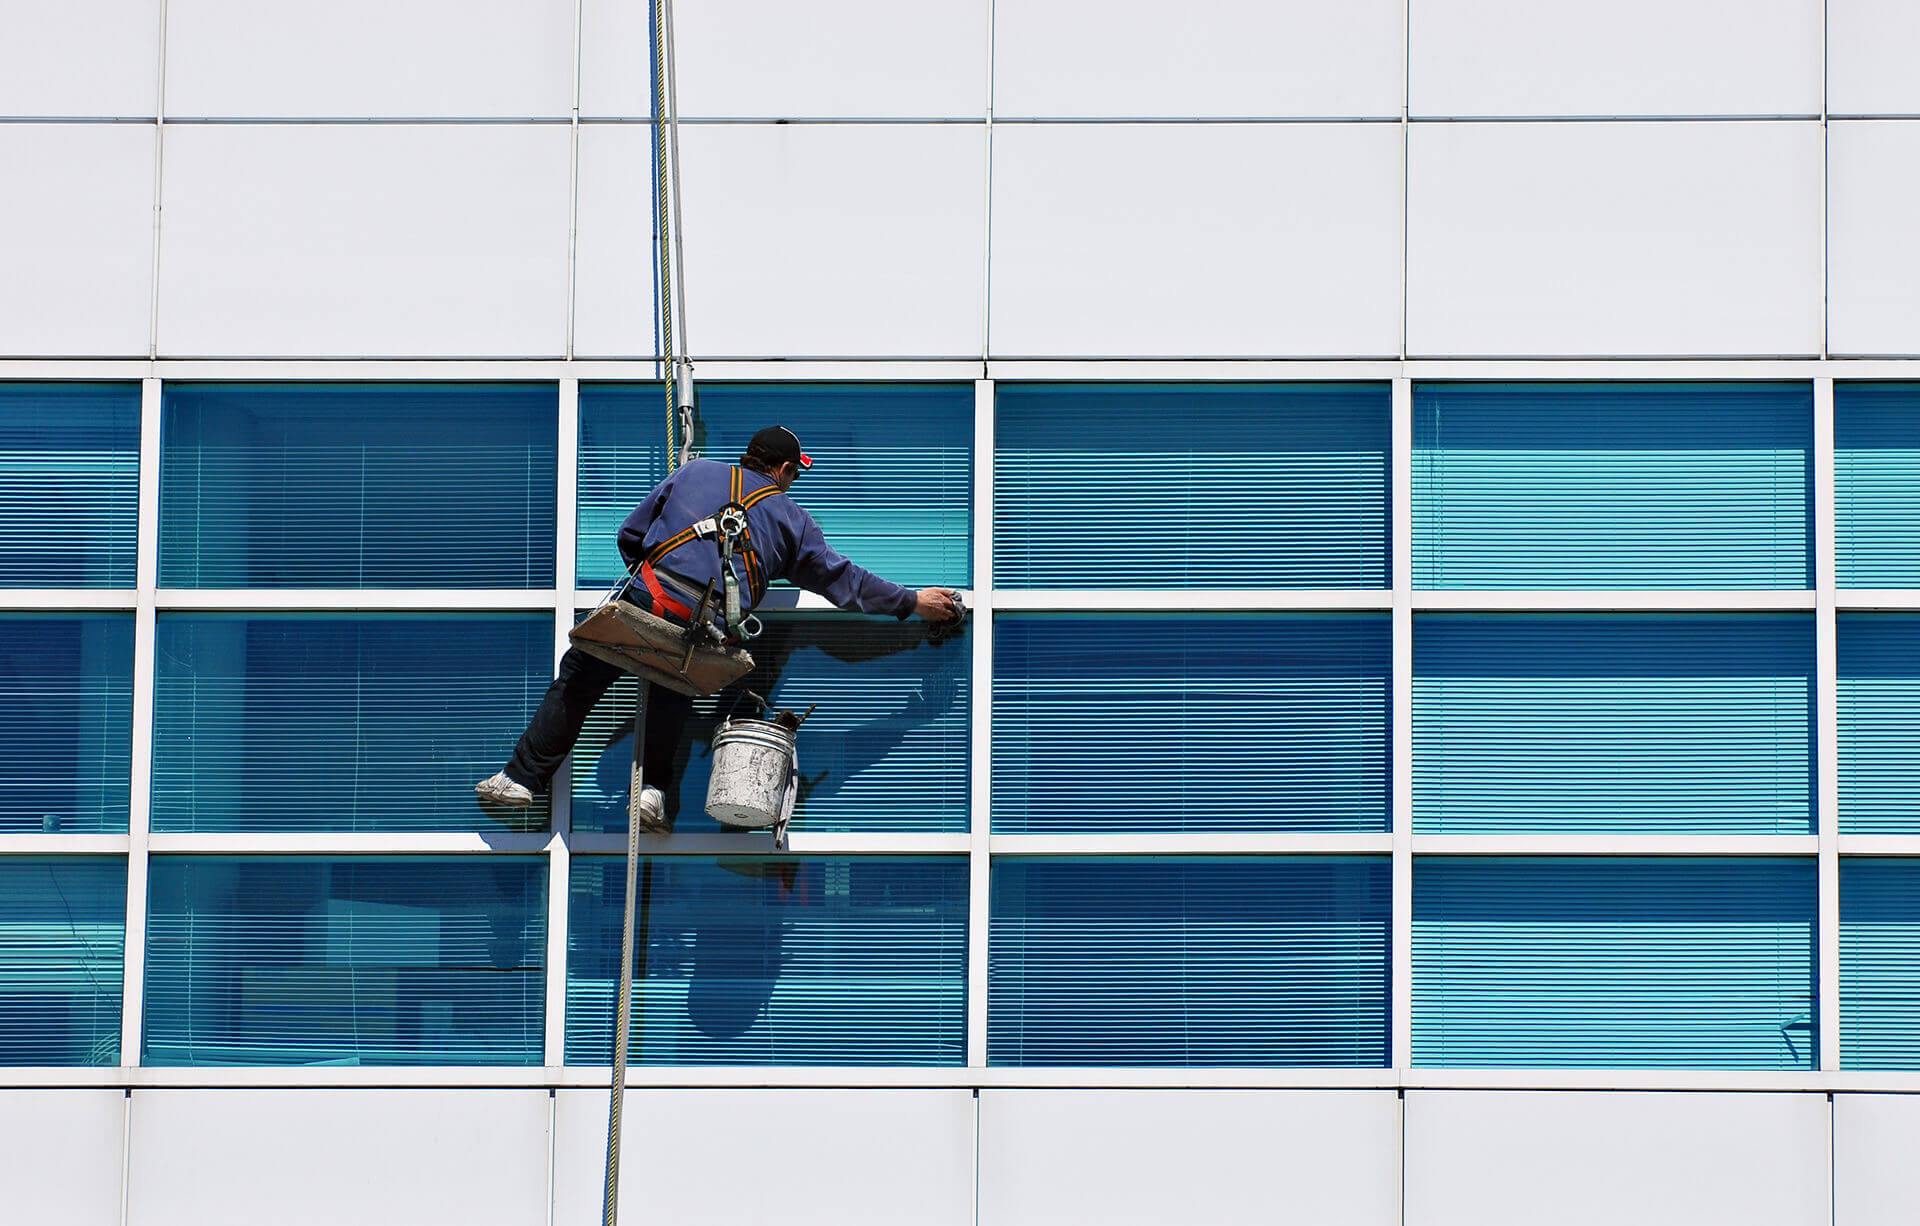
{"x": 1880, "y": 964}
{"x": 1612, "y": 485}
{"x": 69, "y": 484}
{"x": 887, "y": 749}
{"x": 365, "y": 721}
{"x": 63, "y": 929}
{"x": 66, "y": 719}
{"x": 343, "y": 485}
{"x": 747, "y": 960}
{"x": 1190, "y": 722}
{"x": 1669, "y": 723}
{"x": 1189, "y": 962}
{"x": 891, "y": 487}
{"x": 369, "y": 960}
{"x": 1191, "y": 485}
{"x": 1614, "y": 963}
{"x": 1879, "y": 723}
{"x": 1876, "y": 487}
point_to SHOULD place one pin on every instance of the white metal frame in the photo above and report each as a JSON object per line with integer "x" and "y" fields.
{"x": 1401, "y": 846}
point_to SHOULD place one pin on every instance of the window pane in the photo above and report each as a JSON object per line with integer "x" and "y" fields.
{"x": 63, "y": 931}
{"x": 1190, "y": 722}
{"x": 748, "y": 960}
{"x": 1879, "y": 964}
{"x": 1876, "y": 463}
{"x": 888, "y": 748}
{"x": 368, "y": 721}
{"x": 69, "y": 484}
{"x": 1879, "y": 723}
{"x": 1669, "y": 723}
{"x": 891, "y": 487}
{"x": 369, "y": 960}
{"x": 1614, "y": 963}
{"x": 66, "y": 718}
{"x": 1191, "y": 485}
{"x": 344, "y": 485}
{"x": 1612, "y": 485}
{"x": 1189, "y": 962}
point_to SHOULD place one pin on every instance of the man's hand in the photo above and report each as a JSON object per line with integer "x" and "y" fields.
{"x": 937, "y": 604}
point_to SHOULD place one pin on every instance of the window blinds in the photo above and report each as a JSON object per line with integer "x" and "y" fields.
{"x": 366, "y": 721}
{"x": 1876, "y": 471}
{"x": 1672, "y": 723}
{"x": 1191, "y": 485}
{"x": 798, "y": 961}
{"x": 1612, "y": 485}
{"x": 1614, "y": 963}
{"x": 892, "y": 485}
{"x": 1189, "y": 962}
{"x": 358, "y": 485}
{"x": 69, "y": 484}
{"x": 1151, "y": 722}
{"x": 66, "y": 721}
{"x": 1879, "y": 692}
{"x": 1879, "y": 963}
{"x": 361, "y": 960}
{"x": 63, "y": 926}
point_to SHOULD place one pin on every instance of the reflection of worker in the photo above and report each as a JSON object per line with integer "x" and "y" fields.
{"x": 672, "y": 568}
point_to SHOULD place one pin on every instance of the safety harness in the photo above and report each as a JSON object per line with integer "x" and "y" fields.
{"x": 728, "y": 529}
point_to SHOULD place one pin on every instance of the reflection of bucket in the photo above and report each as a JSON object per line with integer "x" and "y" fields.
{"x": 752, "y": 766}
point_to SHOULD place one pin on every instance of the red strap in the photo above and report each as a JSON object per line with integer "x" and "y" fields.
{"x": 661, "y": 601}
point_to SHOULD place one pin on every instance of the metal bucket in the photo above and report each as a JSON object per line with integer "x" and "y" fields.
{"x": 753, "y": 774}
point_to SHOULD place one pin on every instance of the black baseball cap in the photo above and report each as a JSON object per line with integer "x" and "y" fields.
{"x": 781, "y": 445}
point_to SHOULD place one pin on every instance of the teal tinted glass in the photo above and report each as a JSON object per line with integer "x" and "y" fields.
{"x": 1671, "y": 723}
{"x": 66, "y": 719}
{"x": 1876, "y": 484}
{"x": 1612, "y": 485}
{"x": 335, "y": 960}
{"x": 1879, "y": 723}
{"x": 1191, "y": 485}
{"x": 887, "y": 749}
{"x": 1189, "y": 962}
{"x": 63, "y": 929}
{"x": 69, "y": 484}
{"x": 1879, "y": 963}
{"x": 891, "y": 486}
{"x": 363, "y": 721}
{"x": 746, "y": 960}
{"x": 1130, "y": 722}
{"x": 358, "y": 485}
{"x": 1614, "y": 963}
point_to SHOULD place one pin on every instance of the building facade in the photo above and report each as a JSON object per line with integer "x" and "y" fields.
{"x": 1434, "y": 482}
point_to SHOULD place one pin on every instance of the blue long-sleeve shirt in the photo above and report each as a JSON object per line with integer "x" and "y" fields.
{"x": 786, "y": 541}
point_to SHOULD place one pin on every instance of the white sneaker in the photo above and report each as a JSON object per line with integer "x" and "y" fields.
{"x": 501, "y": 790}
{"x": 653, "y": 811}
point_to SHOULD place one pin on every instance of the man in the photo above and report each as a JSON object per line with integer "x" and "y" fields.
{"x": 670, "y": 568}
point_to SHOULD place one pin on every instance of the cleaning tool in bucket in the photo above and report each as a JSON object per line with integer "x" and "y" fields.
{"x": 756, "y": 772}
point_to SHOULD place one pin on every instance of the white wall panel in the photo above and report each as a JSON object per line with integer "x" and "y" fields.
{"x": 324, "y": 1157}
{"x": 1873, "y": 244}
{"x": 1520, "y": 1158}
{"x": 751, "y": 1157}
{"x": 1221, "y": 1157}
{"x": 60, "y": 1156}
{"x": 1625, "y": 57}
{"x": 427, "y": 241}
{"x": 614, "y": 313}
{"x": 357, "y": 58}
{"x": 1875, "y": 1137}
{"x": 1870, "y": 66}
{"x": 1134, "y": 240}
{"x": 1203, "y": 58}
{"x": 1605, "y": 239}
{"x": 79, "y": 58}
{"x": 614, "y": 57}
{"x": 840, "y": 240}
{"x": 76, "y": 239}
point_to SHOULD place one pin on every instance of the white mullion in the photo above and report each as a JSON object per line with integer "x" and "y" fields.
{"x": 1400, "y": 736}
{"x": 760, "y": 843}
{"x": 1878, "y": 845}
{"x": 1891, "y": 599}
{"x": 980, "y": 728}
{"x": 565, "y": 559}
{"x": 349, "y": 843}
{"x": 140, "y": 792}
{"x": 1827, "y": 725}
{"x": 1096, "y": 600}
{"x": 68, "y": 600}
{"x": 1615, "y": 845}
{"x": 356, "y": 600}
{"x": 1183, "y": 843}
{"x": 66, "y": 844}
{"x": 1596, "y": 600}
